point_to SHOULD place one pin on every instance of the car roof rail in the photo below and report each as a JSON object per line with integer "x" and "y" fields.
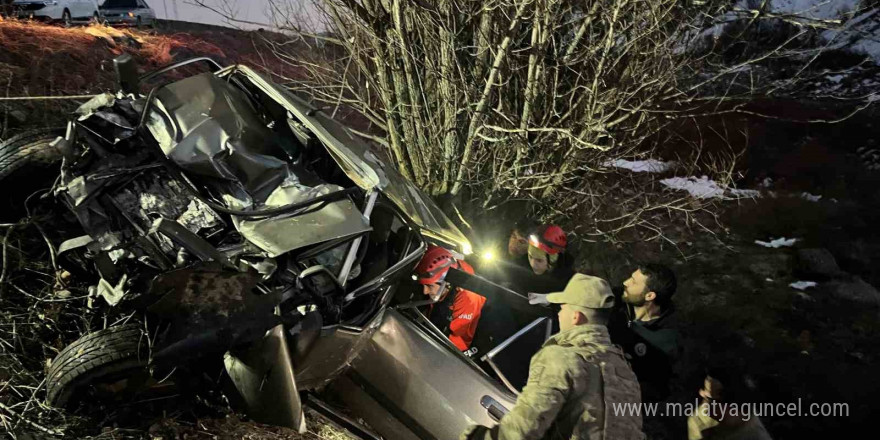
{"x": 215, "y": 65}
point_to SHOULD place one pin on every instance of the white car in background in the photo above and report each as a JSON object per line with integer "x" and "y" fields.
{"x": 65, "y": 11}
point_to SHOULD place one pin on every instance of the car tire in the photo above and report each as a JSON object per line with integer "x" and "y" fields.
{"x": 112, "y": 354}
{"x": 65, "y": 18}
{"x": 28, "y": 163}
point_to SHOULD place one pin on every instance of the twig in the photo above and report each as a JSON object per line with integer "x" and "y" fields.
{"x": 49, "y": 245}
{"x": 46, "y": 98}
{"x": 29, "y": 422}
{"x": 5, "y": 260}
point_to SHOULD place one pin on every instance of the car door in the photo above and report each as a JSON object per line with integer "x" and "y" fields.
{"x": 80, "y": 9}
{"x": 425, "y": 386}
{"x": 91, "y": 8}
{"x": 144, "y": 12}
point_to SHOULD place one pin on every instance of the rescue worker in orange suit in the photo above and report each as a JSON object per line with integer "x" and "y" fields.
{"x": 456, "y": 312}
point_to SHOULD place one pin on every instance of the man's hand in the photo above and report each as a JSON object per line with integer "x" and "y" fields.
{"x": 538, "y": 298}
{"x": 474, "y": 432}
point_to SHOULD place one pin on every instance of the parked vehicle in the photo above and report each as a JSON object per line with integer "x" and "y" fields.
{"x": 239, "y": 228}
{"x": 64, "y": 11}
{"x": 127, "y": 12}
{"x": 5, "y": 8}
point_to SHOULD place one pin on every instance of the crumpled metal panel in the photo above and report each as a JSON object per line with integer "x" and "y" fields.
{"x": 209, "y": 128}
{"x": 360, "y": 164}
{"x": 264, "y": 376}
{"x": 278, "y": 235}
{"x": 93, "y": 105}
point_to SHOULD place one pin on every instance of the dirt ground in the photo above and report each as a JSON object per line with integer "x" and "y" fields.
{"x": 734, "y": 300}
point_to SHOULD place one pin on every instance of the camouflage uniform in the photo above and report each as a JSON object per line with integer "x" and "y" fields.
{"x": 573, "y": 381}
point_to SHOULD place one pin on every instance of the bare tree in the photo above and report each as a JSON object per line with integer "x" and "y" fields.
{"x": 529, "y": 98}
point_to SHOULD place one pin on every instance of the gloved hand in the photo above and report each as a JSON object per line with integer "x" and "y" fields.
{"x": 538, "y": 298}
{"x": 474, "y": 432}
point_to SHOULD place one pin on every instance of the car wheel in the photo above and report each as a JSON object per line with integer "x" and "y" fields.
{"x": 99, "y": 366}
{"x": 28, "y": 163}
{"x": 65, "y": 18}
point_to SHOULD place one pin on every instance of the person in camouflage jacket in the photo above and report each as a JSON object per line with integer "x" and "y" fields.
{"x": 579, "y": 384}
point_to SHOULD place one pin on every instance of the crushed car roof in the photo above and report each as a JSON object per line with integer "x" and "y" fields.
{"x": 360, "y": 164}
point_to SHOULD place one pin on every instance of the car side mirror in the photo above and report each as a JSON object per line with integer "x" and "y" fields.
{"x": 126, "y": 74}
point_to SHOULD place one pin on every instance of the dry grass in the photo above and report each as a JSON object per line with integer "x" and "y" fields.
{"x": 44, "y": 60}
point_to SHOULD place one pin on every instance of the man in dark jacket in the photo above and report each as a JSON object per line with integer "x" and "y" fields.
{"x": 643, "y": 326}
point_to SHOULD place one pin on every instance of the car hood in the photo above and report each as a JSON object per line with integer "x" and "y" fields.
{"x": 363, "y": 166}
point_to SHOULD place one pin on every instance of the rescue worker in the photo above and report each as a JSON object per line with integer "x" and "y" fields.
{"x": 504, "y": 269}
{"x": 643, "y": 326}
{"x": 518, "y": 242}
{"x": 456, "y": 312}
{"x": 551, "y": 269}
{"x": 575, "y": 377}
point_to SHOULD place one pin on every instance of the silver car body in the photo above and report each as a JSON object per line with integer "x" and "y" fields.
{"x": 54, "y": 9}
{"x": 397, "y": 371}
{"x": 127, "y": 12}
{"x": 392, "y": 366}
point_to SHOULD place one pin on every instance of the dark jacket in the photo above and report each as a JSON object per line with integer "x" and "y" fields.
{"x": 651, "y": 347}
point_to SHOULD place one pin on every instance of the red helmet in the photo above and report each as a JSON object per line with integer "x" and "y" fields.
{"x": 549, "y": 238}
{"x": 434, "y": 265}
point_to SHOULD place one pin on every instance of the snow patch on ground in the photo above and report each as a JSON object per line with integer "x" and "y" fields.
{"x": 810, "y": 197}
{"x": 802, "y": 285}
{"x": 859, "y": 34}
{"x": 778, "y": 242}
{"x": 705, "y": 188}
{"x": 642, "y": 166}
{"x": 815, "y": 9}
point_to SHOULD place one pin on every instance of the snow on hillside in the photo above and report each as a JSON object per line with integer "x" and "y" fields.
{"x": 856, "y": 26}
{"x": 815, "y": 9}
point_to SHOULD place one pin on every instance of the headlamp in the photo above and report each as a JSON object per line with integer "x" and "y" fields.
{"x": 533, "y": 240}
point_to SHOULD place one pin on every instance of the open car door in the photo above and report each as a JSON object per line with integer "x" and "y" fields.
{"x": 410, "y": 382}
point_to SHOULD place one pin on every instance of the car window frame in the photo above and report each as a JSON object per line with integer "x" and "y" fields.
{"x": 509, "y": 341}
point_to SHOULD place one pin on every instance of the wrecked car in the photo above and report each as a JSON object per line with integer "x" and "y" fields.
{"x": 237, "y": 226}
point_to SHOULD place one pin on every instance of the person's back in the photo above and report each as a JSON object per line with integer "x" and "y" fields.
{"x": 596, "y": 372}
{"x": 580, "y": 385}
